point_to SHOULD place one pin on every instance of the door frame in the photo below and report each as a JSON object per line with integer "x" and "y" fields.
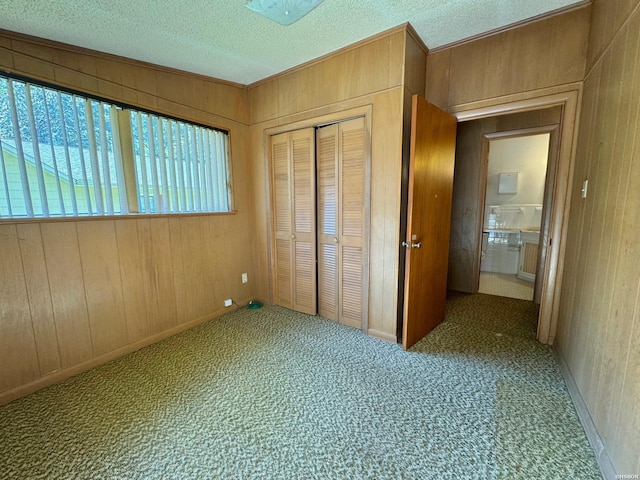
{"x": 569, "y": 98}
{"x": 314, "y": 122}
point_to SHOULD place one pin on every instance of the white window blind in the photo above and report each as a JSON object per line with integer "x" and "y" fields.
{"x": 180, "y": 167}
{"x": 63, "y": 155}
{"x": 57, "y": 156}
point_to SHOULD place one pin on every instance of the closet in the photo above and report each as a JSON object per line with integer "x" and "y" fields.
{"x": 320, "y": 195}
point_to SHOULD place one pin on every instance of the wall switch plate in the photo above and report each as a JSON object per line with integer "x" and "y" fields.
{"x": 585, "y": 185}
{"x": 228, "y": 302}
{"x": 245, "y": 278}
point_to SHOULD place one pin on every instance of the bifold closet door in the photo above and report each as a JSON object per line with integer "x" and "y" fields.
{"x": 294, "y": 207}
{"x": 342, "y": 239}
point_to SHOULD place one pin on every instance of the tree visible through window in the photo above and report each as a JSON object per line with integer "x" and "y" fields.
{"x": 66, "y": 155}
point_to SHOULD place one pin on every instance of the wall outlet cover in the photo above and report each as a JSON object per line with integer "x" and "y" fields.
{"x": 585, "y": 187}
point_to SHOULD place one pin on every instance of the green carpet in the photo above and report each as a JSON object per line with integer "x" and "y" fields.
{"x": 275, "y": 394}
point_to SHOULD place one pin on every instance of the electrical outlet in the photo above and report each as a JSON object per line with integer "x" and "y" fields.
{"x": 245, "y": 278}
{"x": 228, "y": 302}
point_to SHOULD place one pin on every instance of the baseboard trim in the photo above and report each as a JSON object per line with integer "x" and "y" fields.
{"x": 60, "y": 375}
{"x": 382, "y": 335}
{"x": 607, "y": 469}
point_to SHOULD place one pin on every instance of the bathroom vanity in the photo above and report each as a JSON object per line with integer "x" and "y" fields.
{"x": 511, "y": 251}
{"x": 528, "y": 258}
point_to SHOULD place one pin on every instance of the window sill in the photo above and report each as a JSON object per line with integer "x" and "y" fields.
{"x": 129, "y": 216}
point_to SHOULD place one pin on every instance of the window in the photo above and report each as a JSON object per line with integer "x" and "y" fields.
{"x": 178, "y": 167}
{"x": 66, "y": 155}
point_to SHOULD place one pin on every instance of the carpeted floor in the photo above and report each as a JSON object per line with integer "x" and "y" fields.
{"x": 279, "y": 395}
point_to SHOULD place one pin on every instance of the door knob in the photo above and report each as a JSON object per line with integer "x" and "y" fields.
{"x": 412, "y": 244}
{"x": 293, "y": 236}
{"x": 335, "y": 239}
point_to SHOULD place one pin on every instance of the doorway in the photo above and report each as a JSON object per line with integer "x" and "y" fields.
{"x": 516, "y": 168}
{"x": 465, "y": 248}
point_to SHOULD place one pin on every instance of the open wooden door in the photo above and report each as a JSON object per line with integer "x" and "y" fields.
{"x": 432, "y": 157}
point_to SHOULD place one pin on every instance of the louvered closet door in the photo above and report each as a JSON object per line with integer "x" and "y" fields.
{"x": 327, "y": 151}
{"x": 293, "y": 169}
{"x": 342, "y": 240}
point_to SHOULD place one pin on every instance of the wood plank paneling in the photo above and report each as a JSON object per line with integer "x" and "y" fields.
{"x": 66, "y": 283}
{"x": 157, "y": 277}
{"x": 194, "y": 281}
{"x": 102, "y": 285}
{"x": 599, "y": 328}
{"x": 542, "y": 54}
{"x": 415, "y": 61}
{"x": 225, "y": 255}
{"x": 437, "y": 78}
{"x": 264, "y": 101}
{"x": 180, "y": 276}
{"x": 346, "y": 74}
{"x": 6, "y": 55}
{"x": 386, "y": 173}
{"x": 129, "y": 81}
{"x": 608, "y": 18}
{"x": 36, "y": 277}
{"x": 18, "y": 355}
{"x": 130, "y": 263}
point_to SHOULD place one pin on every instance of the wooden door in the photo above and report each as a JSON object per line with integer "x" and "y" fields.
{"x": 342, "y": 172}
{"x": 433, "y": 141}
{"x": 294, "y": 206}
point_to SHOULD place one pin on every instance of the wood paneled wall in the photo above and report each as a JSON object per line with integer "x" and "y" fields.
{"x": 607, "y": 19}
{"x": 599, "y": 323}
{"x": 371, "y": 74}
{"x": 164, "y": 90}
{"x": 468, "y": 182}
{"x": 543, "y": 54}
{"x": 76, "y": 293}
{"x": 374, "y": 65}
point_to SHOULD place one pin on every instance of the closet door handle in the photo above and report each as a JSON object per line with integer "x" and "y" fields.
{"x": 293, "y": 236}
{"x": 335, "y": 239}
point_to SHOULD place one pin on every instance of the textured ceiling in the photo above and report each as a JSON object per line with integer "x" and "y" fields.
{"x": 223, "y": 39}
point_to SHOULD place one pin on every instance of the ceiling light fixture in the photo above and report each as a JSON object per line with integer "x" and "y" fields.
{"x": 284, "y": 12}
